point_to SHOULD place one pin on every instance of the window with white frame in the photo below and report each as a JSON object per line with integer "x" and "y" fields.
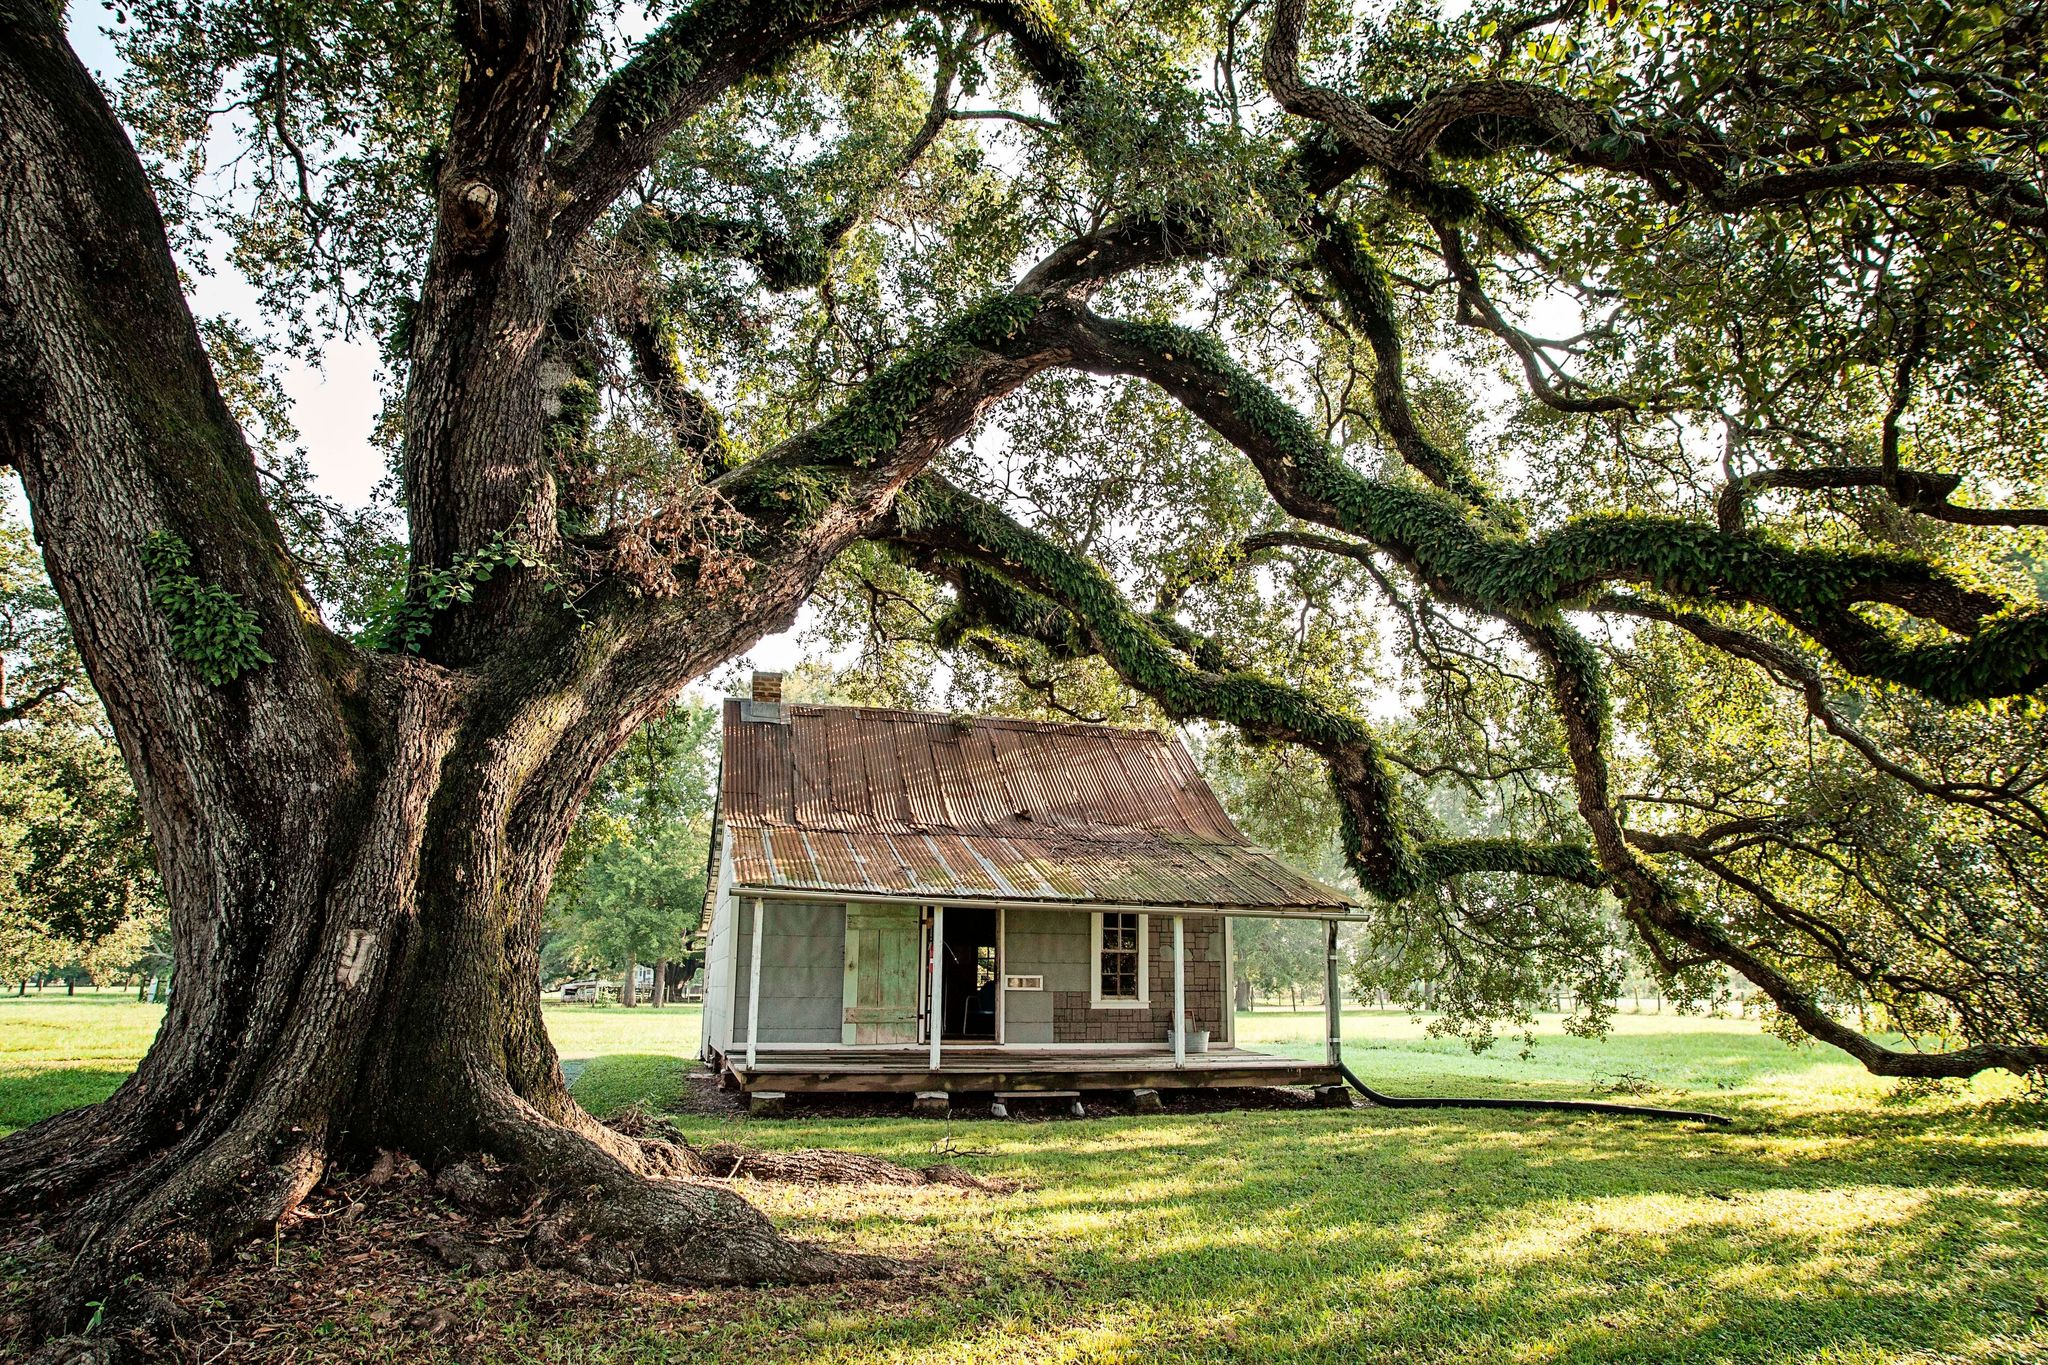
{"x": 1120, "y": 967}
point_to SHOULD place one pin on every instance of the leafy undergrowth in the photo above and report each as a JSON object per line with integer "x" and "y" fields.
{"x": 1832, "y": 1224}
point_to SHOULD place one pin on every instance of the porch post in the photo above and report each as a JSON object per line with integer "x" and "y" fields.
{"x": 938, "y": 979}
{"x": 754, "y": 986}
{"x": 1333, "y": 1014}
{"x": 1180, "y": 993}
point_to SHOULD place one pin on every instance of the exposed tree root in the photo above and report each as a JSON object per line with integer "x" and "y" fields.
{"x": 810, "y": 1166}
{"x": 604, "y": 1205}
{"x": 668, "y": 1227}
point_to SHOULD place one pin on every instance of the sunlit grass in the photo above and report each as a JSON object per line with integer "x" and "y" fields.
{"x": 1833, "y": 1223}
{"x": 584, "y": 1031}
{"x": 59, "y": 1051}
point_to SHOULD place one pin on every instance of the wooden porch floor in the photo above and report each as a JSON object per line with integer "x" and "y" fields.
{"x": 970, "y": 1069}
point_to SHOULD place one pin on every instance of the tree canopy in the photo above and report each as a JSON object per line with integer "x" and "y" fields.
{"x": 1606, "y": 436}
{"x": 632, "y": 881}
{"x": 77, "y": 880}
{"x": 1605, "y": 439}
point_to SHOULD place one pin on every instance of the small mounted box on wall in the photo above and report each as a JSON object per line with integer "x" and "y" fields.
{"x": 1023, "y": 983}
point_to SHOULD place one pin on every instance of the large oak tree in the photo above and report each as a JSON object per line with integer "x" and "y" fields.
{"x": 688, "y": 308}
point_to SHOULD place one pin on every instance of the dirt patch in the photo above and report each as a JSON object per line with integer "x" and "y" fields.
{"x": 358, "y": 1273}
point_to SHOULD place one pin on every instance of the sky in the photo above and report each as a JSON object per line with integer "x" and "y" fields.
{"x": 334, "y": 403}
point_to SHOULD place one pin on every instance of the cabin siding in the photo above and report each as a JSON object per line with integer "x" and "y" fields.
{"x": 719, "y": 959}
{"x": 1048, "y": 943}
{"x": 1059, "y": 945}
{"x": 803, "y": 967}
{"x": 1077, "y": 1020}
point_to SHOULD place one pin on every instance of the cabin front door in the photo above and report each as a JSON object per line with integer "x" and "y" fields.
{"x": 884, "y": 945}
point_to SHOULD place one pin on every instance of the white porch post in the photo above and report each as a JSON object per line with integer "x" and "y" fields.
{"x": 1180, "y": 992}
{"x": 1333, "y": 1014}
{"x": 938, "y": 978}
{"x": 754, "y": 987}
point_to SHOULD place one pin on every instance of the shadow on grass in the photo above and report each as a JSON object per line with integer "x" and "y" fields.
{"x": 610, "y": 1083}
{"x": 29, "y": 1096}
{"x": 1363, "y": 1237}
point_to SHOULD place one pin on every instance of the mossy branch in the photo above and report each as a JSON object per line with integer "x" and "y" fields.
{"x": 800, "y": 481}
{"x": 1362, "y": 290}
{"x": 1010, "y": 578}
{"x": 1473, "y": 561}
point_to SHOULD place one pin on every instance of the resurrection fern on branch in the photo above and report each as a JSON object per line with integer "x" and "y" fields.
{"x": 210, "y": 627}
{"x": 405, "y": 618}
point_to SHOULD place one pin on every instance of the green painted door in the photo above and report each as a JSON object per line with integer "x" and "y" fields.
{"x": 883, "y": 947}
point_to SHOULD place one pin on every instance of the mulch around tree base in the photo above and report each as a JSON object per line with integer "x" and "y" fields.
{"x": 350, "y": 1277}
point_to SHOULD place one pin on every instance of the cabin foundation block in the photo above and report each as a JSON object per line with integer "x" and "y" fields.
{"x": 768, "y": 1104}
{"x": 932, "y": 1104}
{"x": 1333, "y": 1097}
{"x": 1146, "y": 1101}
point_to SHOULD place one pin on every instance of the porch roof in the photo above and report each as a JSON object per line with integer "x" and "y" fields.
{"x": 869, "y": 802}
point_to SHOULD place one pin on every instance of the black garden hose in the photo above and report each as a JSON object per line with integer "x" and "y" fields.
{"x": 1638, "y": 1111}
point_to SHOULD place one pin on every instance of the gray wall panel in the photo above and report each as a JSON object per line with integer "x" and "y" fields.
{"x": 803, "y": 966}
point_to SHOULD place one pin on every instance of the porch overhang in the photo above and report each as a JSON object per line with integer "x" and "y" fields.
{"x": 1353, "y": 914}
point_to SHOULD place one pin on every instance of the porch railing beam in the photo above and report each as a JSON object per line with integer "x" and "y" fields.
{"x": 938, "y": 970}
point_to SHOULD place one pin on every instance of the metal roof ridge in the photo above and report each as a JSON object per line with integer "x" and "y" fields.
{"x": 966, "y": 718}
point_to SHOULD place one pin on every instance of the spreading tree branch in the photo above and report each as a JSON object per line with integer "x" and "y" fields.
{"x": 2000, "y": 649}
{"x": 1660, "y": 910}
{"x": 708, "y": 48}
{"x": 1020, "y": 582}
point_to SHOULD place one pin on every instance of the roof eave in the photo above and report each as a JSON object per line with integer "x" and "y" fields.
{"x": 935, "y": 897}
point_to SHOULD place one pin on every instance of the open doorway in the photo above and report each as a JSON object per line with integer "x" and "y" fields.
{"x": 973, "y": 972}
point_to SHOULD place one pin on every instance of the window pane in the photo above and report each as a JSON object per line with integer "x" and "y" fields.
{"x": 1118, "y": 958}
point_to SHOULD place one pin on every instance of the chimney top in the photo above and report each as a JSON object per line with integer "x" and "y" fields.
{"x": 767, "y": 687}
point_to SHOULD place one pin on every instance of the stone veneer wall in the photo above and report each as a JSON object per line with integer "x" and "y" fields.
{"x": 1074, "y": 1020}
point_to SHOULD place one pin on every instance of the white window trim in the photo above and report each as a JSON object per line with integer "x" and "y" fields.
{"x": 1144, "y": 1000}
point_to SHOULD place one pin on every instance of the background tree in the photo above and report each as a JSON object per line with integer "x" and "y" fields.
{"x": 78, "y": 884}
{"x": 1625, "y": 418}
{"x": 631, "y": 885}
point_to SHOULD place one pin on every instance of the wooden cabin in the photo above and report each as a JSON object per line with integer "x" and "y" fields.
{"x": 941, "y": 905}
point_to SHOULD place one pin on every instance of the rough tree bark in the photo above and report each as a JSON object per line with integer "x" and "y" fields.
{"x": 355, "y": 846}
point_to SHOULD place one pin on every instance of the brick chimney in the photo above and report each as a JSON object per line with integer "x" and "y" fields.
{"x": 768, "y": 687}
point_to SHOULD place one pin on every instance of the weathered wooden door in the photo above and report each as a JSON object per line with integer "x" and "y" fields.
{"x": 883, "y": 951}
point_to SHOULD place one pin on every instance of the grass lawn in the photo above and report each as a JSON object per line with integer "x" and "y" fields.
{"x": 1834, "y": 1223}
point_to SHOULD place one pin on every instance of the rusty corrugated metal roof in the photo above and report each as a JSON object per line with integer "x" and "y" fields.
{"x": 905, "y": 803}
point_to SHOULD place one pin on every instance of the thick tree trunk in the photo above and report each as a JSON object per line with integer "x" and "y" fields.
{"x": 354, "y": 847}
{"x": 629, "y": 986}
